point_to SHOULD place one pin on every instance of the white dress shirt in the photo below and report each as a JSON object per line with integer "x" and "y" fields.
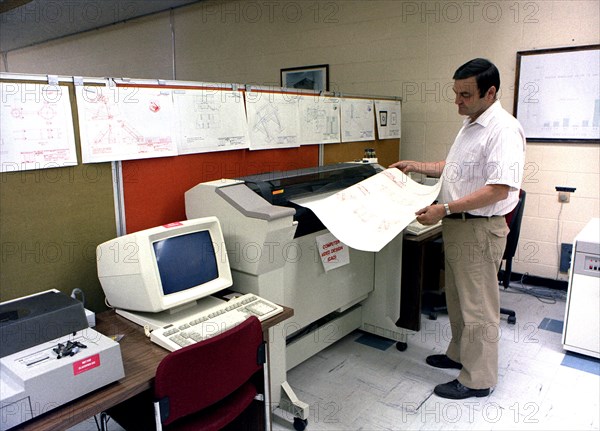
{"x": 489, "y": 150}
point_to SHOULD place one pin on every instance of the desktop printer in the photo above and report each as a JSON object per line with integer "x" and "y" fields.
{"x": 271, "y": 244}
{"x": 49, "y": 356}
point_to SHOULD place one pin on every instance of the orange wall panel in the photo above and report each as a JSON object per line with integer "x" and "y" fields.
{"x": 154, "y": 189}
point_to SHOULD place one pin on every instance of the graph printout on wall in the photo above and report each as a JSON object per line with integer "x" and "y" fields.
{"x": 125, "y": 123}
{"x": 557, "y": 94}
{"x": 36, "y": 127}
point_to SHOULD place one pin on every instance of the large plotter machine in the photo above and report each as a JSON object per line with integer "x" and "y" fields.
{"x": 271, "y": 245}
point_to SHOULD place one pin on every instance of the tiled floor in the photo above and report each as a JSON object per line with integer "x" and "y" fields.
{"x": 353, "y": 386}
{"x": 365, "y": 383}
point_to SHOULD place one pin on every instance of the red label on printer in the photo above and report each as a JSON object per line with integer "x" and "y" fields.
{"x": 86, "y": 364}
{"x": 176, "y": 223}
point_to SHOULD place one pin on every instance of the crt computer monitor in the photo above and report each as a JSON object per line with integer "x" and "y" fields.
{"x": 165, "y": 269}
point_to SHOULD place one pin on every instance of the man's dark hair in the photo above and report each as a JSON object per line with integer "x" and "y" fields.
{"x": 485, "y": 73}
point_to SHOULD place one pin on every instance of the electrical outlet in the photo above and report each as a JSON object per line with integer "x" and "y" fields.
{"x": 564, "y": 193}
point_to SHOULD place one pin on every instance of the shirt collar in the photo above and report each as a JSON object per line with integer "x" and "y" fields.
{"x": 485, "y": 117}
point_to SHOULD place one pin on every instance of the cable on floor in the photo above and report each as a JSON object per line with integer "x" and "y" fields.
{"x": 543, "y": 294}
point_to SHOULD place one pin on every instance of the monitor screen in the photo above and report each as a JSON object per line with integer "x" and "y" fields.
{"x": 164, "y": 267}
{"x": 185, "y": 261}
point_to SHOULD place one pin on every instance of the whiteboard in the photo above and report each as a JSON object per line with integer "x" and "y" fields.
{"x": 557, "y": 94}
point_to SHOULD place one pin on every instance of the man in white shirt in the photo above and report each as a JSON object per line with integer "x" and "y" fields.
{"x": 481, "y": 181}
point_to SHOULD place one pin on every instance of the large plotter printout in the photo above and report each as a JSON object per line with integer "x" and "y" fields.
{"x": 358, "y": 121}
{"x": 319, "y": 120}
{"x": 36, "y": 127}
{"x": 210, "y": 120}
{"x": 387, "y": 114}
{"x": 368, "y": 215}
{"x": 125, "y": 123}
{"x": 273, "y": 120}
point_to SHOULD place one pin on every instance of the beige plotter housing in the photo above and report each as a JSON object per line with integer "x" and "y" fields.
{"x": 271, "y": 245}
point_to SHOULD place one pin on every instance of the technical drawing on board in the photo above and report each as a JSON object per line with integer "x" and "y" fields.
{"x": 388, "y": 118}
{"x": 273, "y": 120}
{"x": 36, "y": 127}
{"x": 357, "y": 120}
{"x": 124, "y": 123}
{"x": 319, "y": 120}
{"x": 210, "y": 120}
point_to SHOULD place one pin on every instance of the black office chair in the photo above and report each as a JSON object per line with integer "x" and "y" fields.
{"x": 513, "y": 220}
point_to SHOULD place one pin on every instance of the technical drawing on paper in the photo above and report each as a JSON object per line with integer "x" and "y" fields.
{"x": 357, "y": 120}
{"x": 368, "y": 215}
{"x": 319, "y": 120}
{"x": 388, "y": 118}
{"x": 36, "y": 127}
{"x": 124, "y": 123}
{"x": 273, "y": 121}
{"x": 268, "y": 124}
{"x": 207, "y": 115}
{"x": 210, "y": 120}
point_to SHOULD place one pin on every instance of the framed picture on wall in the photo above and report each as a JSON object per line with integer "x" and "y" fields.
{"x": 557, "y": 94}
{"x": 306, "y": 78}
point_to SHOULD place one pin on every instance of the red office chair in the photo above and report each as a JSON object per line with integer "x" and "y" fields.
{"x": 211, "y": 385}
{"x": 513, "y": 220}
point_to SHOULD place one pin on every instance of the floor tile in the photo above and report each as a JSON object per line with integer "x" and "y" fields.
{"x": 357, "y": 384}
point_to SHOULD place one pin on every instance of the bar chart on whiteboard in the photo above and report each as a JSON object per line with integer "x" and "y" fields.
{"x": 559, "y": 95}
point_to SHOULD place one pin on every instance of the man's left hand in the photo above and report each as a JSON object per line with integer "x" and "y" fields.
{"x": 431, "y": 214}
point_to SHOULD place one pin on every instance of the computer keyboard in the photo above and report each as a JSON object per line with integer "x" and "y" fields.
{"x": 416, "y": 228}
{"x": 213, "y": 321}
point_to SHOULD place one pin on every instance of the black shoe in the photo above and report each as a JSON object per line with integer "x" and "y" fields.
{"x": 457, "y": 391}
{"x": 442, "y": 361}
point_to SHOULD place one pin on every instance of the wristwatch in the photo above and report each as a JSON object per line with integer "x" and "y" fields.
{"x": 447, "y": 208}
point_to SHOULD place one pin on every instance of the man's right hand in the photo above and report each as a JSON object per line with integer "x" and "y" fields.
{"x": 405, "y": 166}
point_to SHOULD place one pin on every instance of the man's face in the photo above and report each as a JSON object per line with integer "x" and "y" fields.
{"x": 468, "y": 100}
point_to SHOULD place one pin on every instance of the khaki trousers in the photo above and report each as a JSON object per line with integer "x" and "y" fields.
{"x": 473, "y": 252}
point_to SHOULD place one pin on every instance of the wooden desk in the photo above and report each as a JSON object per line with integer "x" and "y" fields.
{"x": 140, "y": 360}
{"x": 420, "y": 272}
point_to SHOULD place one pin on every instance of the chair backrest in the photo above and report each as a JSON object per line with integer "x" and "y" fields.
{"x": 195, "y": 377}
{"x": 513, "y": 220}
